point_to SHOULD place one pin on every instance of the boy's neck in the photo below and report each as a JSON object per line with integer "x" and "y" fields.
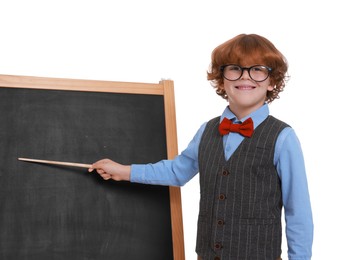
{"x": 242, "y": 112}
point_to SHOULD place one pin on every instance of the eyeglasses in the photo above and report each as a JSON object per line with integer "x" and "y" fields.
{"x": 234, "y": 72}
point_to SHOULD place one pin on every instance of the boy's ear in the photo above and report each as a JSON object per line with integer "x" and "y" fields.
{"x": 270, "y": 88}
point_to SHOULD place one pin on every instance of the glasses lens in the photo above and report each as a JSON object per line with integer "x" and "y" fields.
{"x": 232, "y": 72}
{"x": 259, "y": 73}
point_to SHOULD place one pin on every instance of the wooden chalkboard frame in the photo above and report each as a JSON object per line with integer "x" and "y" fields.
{"x": 164, "y": 88}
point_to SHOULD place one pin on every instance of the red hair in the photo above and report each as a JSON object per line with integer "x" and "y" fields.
{"x": 250, "y": 49}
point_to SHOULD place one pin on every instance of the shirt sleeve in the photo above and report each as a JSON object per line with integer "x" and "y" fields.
{"x": 290, "y": 165}
{"x": 176, "y": 172}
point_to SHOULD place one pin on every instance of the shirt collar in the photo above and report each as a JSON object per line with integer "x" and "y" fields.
{"x": 257, "y": 116}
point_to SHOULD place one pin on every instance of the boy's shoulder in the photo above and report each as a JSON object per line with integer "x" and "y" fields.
{"x": 276, "y": 120}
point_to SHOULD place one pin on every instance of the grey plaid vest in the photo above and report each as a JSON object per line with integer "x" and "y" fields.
{"x": 240, "y": 203}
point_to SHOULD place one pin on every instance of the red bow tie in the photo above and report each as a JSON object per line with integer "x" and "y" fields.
{"x": 246, "y": 128}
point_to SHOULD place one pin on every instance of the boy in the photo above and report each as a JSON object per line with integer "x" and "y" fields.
{"x": 250, "y": 163}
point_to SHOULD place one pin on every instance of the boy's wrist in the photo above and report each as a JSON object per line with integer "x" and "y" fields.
{"x": 126, "y": 172}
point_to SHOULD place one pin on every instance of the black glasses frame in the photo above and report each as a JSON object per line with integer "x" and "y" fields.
{"x": 222, "y": 68}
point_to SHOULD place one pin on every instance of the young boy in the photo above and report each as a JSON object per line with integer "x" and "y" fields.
{"x": 250, "y": 163}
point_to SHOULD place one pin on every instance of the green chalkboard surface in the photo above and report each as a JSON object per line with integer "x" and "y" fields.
{"x": 60, "y": 212}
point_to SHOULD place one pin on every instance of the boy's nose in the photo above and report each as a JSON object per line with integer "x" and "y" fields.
{"x": 245, "y": 74}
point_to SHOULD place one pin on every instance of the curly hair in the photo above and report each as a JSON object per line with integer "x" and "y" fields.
{"x": 249, "y": 49}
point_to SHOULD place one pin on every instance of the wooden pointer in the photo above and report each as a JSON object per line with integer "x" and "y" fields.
{"x": 81, "y": 165}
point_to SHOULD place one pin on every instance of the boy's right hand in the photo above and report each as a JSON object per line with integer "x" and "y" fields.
{"x": 109, "y": 169}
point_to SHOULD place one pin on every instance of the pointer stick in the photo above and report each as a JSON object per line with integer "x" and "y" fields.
{"x": 81, "y": 165}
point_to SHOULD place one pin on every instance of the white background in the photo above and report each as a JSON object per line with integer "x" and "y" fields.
{"x": 145, "y": 41}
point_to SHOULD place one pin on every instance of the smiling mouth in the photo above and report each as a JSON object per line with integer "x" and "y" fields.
{"x": 245, "y": 87}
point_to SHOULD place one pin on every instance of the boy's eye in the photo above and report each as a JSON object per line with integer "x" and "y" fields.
{"x": 257, "y": 69}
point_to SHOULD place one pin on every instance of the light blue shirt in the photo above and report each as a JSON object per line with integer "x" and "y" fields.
{"x": 288, "y": 159}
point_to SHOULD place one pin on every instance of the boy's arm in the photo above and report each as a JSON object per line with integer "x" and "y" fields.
{"x": 176, "y": 172}
{"x": 296, "y": 200}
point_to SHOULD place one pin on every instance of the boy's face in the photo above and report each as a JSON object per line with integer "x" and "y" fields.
{"x": 246, "y": 95}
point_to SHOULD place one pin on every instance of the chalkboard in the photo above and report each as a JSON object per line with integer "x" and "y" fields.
{"x": 60, "y": 212}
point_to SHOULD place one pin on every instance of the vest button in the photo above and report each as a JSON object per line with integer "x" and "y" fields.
{"x": 220, "y": 222}
{"x": 217, "y": 246}
{"x": 222, "y": 197}
{"x": 225, "y": 173}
